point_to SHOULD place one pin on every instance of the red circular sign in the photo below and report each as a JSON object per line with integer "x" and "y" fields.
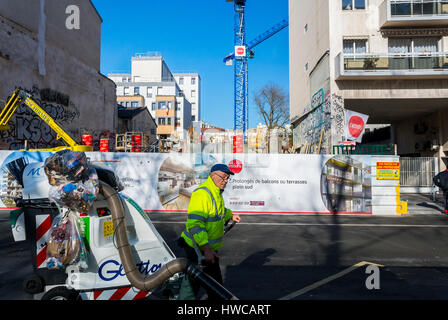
{"x": 240, "y": 51}
{"x": 235, "y": 166}
{"x": 355, "y": 126}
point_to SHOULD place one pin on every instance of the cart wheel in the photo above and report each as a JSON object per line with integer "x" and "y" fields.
{"x": 33, "y": 284}
{"x": 61, "y": 293}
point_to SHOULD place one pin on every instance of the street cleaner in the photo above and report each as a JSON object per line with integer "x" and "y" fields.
{"x": 204, "y": 229}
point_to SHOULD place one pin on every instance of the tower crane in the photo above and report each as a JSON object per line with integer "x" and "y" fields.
{"x": 239, "y": 58}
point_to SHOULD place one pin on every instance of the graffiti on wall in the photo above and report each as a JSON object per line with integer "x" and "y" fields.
{"x": 25, "y": 125}
{"x": 337, "y": 111}
{"x": 324, "y": 122}
{"x": 317, "y": 123}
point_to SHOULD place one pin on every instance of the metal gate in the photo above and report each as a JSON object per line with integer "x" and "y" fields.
{"x": 418, "y": 171}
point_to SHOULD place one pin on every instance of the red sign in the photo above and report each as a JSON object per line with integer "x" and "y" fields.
{"x": 235, "y": 166}
{"x": 238, "y": 144}
{"x": 87, "y": 139}
{"x": 240, "y": 51}
{"x": 355, "y": 126}
{"x": 104, "y": 145}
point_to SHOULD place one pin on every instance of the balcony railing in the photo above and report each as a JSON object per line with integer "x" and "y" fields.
{"x": 402, "y": 13}
{"x": 429, "y": 65}
{"x": 396, "y": 61}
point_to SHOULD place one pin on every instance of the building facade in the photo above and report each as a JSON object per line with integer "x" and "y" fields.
{"x": 59, "y": 66}
{"x": 384, "y": 58}
{"x": 152, "y": 85}
{"x": 190, "y": 86}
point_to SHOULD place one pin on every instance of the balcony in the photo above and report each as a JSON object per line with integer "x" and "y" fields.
{"x": 165, "y": 129}
{"x": 413, "y": 13}
{"x": 431, "y": 65}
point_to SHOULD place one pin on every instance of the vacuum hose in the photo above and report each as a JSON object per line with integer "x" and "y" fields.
{"x": 167, "y": 270}
{"x": 127, "y": 259}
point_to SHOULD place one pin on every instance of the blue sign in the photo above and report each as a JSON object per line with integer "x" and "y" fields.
{"x": 111, "y": 269}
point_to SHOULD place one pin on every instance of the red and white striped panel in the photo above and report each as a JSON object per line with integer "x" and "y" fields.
{"x": 128, "y": 293}
{"x": 43, "y": 225}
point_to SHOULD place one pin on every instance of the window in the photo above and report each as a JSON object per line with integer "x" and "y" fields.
{"x": 414, "y": 53}
{"x": 153, "y": 106}
{"x": 149, "y": 92}
{"x": 305, "y": 28}
{"x": 193, "y": 80}
{"x": 136, "y": 90}
{"x": 358, "y": 46}
{"x": 123, "y": 79}
{"x": 159, "y": 90}
{"x": 193, "y": 93}
{"x": 353, "y": 4}
{"x": 161, "y": 121}
{"x": 168, "y": 121}
{"x": 126, "y": 91}
{"x": 181, "y": 81}
{"x": 414, "y": 45}
{"x": 177, "y": 106}
{"x": 193, "y": 106}
{"x": 193, "y": 118}
{"x": 306, "y": 66}
{"x": 134, "y": 104}
{"x": 162, "y": 105}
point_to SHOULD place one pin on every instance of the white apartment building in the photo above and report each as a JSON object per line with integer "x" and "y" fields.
{"x": 190, "y": 86}
{"x": 384, "y": 58}
{"x": 152, "y": 85}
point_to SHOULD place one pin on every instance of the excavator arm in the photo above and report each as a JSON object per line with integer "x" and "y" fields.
{"x": 19, "y": 97}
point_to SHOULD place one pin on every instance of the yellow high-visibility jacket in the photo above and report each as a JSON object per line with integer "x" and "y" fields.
{"x": 205, "y": 221}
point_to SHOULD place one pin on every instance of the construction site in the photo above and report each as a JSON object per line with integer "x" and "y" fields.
{"x": 105, "y": 143}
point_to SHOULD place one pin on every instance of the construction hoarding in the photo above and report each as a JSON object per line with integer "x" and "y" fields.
{"x": 263, "y": 183}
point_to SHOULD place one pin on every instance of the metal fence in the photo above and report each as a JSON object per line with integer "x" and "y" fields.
{"x": 418, "y": 171}
{"x": 380, "y": 149}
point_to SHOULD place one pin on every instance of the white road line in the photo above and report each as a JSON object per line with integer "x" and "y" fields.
{"x": 328, "y": 224}
{"x": 326, "y": 280}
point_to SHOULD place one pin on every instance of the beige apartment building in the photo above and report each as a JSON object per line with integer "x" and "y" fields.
{"x": 384, "y": 58}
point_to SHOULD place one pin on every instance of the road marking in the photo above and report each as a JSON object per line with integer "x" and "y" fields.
{"x": 328, "y": 279}
{"x": 327, "y": 224}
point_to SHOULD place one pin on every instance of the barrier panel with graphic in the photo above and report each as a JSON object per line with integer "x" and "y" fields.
{"x": 263, "y": 183}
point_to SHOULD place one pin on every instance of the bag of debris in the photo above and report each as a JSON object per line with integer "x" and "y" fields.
{"x": 78, "y": 196}
{"x": 75, "y": 184}
{"x": 64, "y": 166}
{"x": 65, "y": 245}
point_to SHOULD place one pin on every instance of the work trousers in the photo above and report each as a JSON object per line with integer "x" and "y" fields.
{"x": 212, "y": 269}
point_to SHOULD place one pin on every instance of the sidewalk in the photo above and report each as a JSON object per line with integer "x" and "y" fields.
{"x": 420, "y": 203}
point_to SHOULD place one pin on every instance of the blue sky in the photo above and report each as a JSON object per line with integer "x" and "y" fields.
{"x": 195, "y": 36}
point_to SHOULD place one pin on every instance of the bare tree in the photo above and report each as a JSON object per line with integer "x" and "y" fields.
{"x": 273, "y": 105}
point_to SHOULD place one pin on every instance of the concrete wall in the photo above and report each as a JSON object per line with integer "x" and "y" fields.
{"x": 307, "y": 45}
{"x": 65, "y": 81}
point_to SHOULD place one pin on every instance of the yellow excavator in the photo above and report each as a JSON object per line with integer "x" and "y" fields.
{"x": 19, "y": 96}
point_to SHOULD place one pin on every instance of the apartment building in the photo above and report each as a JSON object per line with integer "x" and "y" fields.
{"x": 384, "y": 58}
{"x": 190, "y": 87}
{"x": 151, "y": 84}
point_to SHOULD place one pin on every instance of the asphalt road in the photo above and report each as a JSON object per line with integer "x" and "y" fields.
{"x": 316, "y": 257}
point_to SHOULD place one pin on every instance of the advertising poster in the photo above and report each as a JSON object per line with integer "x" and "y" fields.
{"x": 263, "y": 183}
